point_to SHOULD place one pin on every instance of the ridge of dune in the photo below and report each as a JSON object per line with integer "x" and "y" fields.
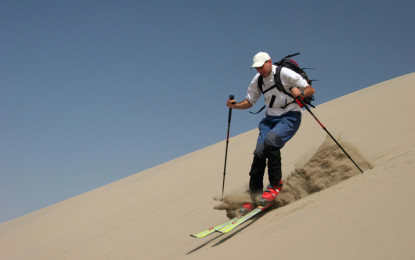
{"x": 370, "y": 215}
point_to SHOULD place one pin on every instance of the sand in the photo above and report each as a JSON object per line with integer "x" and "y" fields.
{"x": 328, "y": 210}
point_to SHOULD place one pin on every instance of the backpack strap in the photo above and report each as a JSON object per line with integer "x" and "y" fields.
{"x": 259, "y": 111}
{"x": 260, "y": 83}
{"x": 280, "y": 87}
{"x": 278, "y": 82}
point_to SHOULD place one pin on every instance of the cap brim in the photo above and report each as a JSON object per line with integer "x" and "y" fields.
{"x": 258, "y": 64}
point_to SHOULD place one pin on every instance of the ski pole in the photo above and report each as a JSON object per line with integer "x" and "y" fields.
{"x": 231, "y": 97}
{"x": 327, "y": 131}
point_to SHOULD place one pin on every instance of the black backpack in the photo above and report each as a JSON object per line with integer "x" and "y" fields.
{"x": 292, "y": 65}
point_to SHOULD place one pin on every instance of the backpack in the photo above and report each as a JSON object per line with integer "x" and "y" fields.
{"x": 292, "y": 65}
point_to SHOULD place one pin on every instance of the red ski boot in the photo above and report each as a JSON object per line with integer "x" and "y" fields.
{"x": 271, "y": 193}
{"x": 246, "y": 207}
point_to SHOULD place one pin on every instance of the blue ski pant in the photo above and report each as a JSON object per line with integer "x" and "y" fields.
{"x": 274, "y": 133}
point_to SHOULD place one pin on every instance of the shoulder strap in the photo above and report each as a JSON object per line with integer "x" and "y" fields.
{"x": 260, "y": 83}
{"x": 278, "y": 83}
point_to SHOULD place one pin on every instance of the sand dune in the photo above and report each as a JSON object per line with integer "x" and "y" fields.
{"x": 330, "y": 211}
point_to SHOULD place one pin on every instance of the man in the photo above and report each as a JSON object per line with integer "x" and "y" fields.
{"x": 282, "y": 120}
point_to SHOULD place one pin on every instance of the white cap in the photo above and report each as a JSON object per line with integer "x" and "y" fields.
{"x": 259, "y": 59}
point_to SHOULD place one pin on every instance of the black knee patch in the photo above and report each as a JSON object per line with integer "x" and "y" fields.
{"x": 273, "y": 141}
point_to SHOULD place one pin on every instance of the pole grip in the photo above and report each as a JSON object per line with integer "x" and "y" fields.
{"x": 231, "y": 97}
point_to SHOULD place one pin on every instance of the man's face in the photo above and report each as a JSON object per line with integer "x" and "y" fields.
{"x": 265, "y": 70}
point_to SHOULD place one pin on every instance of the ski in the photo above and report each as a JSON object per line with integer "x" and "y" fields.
{"x": 215, "y": 228}
{"x": 242, "y": 219}
{"x": 233, "y": 223}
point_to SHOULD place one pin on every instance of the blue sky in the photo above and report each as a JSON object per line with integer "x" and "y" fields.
{"x": 94, "y": 91}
